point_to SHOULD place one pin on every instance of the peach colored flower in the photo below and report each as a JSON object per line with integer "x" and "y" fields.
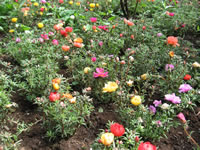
{"x": 171, "y": 40}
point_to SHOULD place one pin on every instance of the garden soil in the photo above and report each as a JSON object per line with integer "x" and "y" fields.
{"x": 34, "y": 138}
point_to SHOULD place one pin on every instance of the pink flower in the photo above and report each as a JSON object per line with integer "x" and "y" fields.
{"x": 159, "y": 123}
{"x": 45, "y": 36}
{"x": 103, "y": 27}
{"x": 93, "y": 19}
{"x": 171, "y": 14}
{"x": 181, "y": 117}
{"x": 101, "y": 43}
{"x": 51, "y": 33}
{"x": 173, "y": 98}
{"x": 184, "y": 88}
{"x": 41, "y": 40}
{"x": 43, "y": 1}
{"x": 18, "y": 40}
{"x": 100, "y": 73}
{"x": 93, "y": 59}
{"x": 55, "y": 42}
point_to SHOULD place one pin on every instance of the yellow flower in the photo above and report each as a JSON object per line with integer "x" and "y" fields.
{"x": 136, "y": 100}
{"x": 92, "y": 5}
{"x": 14, "y": 20}
{"x": 71, "y": 2}
{"x": 11, "y": 31}
{"x": 86, "y": 70}
{"x": 41, "y": 13}
{"x": 36, "y": 4}
{"x": 110, "y": 87}
{"x": 78, "y": 3}
{"x": 104, "y": 64}
{"x": 97, "y": 5}
{"x": 107, "y": 138}
{"x": 56, "y": 86}
{"x": 171, "y": 54}
{"x": 91, "y": 9}
{"x": 196, "y": 65}
{"x": 144, "y": 76}
{"x": 40, "y": 25}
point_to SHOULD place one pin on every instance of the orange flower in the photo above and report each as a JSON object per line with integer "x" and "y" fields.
{"x": 68, "y": 96}
{"x": 171, "y": 54}
{"x": 130, "y": 23}
{"x": 56, "y": 80}
{"x": 78, "y": 40}
{"x": 26, "y": 9}
{"x": 171, "y": 40}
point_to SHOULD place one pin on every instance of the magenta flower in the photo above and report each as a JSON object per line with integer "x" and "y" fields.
{"x": 157, "y": 103}
{"x": 100, "y": 73}
{"x": 103, "y": 27}
{"x": 169, "y": 67}
{"x": 181, "y": 117}
{"x": 152, "y": 109}
{"x": 93, "y": 59}
{"x": 55, "y": 42}
{"x": 173, "y": 98}
{"x": 184, "y": 88}
{"x": 18, "y": 40}
{"x": 93, "y": 19}
{"x": 171, "y": 14}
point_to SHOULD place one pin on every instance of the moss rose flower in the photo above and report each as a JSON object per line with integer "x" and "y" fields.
{"x": 117, "y": 129}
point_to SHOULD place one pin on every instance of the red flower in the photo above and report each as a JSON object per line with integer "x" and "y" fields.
{"x": 146, "y": 146}
{"x": 54, "y": 96}
{"x": 187, "y": 77}
{"x": 117, "y": 129}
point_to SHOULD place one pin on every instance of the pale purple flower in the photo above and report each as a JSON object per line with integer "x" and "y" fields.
{"x": 93, "y": 59}
{"x": 184, "y": 88}
{"x": 157, "y": 103}
{"x": 173, "y": 98}
{"x": 100, "y": 43}
{"x": 181, "y": 117}
{"x": 55, "y": 42}
{"x": 152, "y": 109}
{"x": 18, "y": 40}
{"x": 100, "y": 73}
{"x": 159, "y": 34}
{"x": 169, "y": 67}
{"x": 159, "y": 123}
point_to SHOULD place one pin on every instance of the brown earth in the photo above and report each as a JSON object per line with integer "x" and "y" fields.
{"x": 34, "y": 139}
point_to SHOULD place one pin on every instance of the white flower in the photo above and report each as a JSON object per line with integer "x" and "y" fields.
{"x": 196, "y": 65}
{"x": 165, "y": 106}
{"x": 72, "y": 17}
{"x": 129, "y": 83}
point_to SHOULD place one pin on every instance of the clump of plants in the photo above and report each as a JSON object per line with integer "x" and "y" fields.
{"x": 73, "y": 56}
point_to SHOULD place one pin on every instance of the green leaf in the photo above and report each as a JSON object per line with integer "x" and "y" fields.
{"x": 23, "y": 27}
